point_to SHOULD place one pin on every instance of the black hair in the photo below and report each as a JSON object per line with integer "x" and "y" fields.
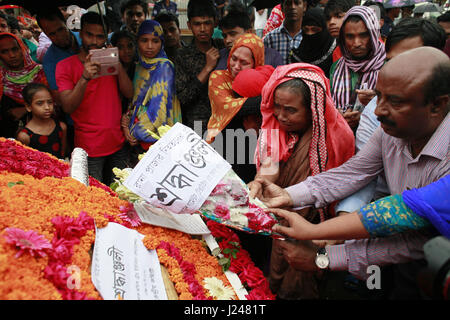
{"x": 3, "y": 16}
{"x": 431, "y": 33}
{"x": 116, "y": 36}
{"x": 92, "y": 17}
{"x": 30, "y": 89}
{"x": 353, "y": 18}
{"x": 132, "y": 3}
{"x": 201, "y": 8}
{"x": 235, "y": 19}
{"x": 299, "y": 87}
{"x": 235, "y": 5}
{"x": 50, "y": 13}
{"x": 167, "y": 17}
{"x": 13, "y": 23}
{"x": 445, "y": 17}
{"x": 335, "y": 6}
{"x": 439, "y": 82}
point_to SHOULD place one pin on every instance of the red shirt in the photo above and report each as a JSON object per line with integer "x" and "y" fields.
{"x": 97, "y": 118}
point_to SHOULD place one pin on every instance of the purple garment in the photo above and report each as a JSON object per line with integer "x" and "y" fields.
{"x": 432, "y": 203}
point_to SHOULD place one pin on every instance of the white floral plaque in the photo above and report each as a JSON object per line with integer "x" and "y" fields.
{"x": 178, "y": 172}
{"x": 123, "y": 268}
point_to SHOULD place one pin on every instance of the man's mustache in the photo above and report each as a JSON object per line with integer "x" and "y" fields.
{"x": 386, "y": 121}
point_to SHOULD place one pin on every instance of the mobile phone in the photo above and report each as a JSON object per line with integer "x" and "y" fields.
{"x": 108, "y": 58}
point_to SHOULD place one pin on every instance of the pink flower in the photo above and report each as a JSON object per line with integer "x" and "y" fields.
{"x": 28, "y": 241}
{"x": 222, "y": 211}
{"x": 129, "y": 214}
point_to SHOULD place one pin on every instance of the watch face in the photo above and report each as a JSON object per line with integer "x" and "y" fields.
{"x": 322, "y": 261}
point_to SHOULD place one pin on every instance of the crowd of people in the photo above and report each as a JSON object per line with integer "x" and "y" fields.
{"x": 347, "y": 106}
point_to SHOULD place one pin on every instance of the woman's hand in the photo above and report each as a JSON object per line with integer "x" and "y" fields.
{"x": 268, "y": 192}
{"x": 295, "y": 226}
{"x": 124, "y": 123}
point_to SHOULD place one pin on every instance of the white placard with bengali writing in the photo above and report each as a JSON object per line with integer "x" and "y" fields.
{"x": 123, "y": 268}
{"x": 178, "y": 172}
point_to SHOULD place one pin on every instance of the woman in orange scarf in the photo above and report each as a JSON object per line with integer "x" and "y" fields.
{"x": 246, "y": 53}
{"x": 302, "y": 134}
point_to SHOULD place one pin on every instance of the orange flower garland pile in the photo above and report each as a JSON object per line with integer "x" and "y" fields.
{"x": 62, "y": 211}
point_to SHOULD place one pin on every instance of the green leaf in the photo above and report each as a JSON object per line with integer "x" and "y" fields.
{"x": 227, "y": 250}
{"x": 11, "y": 184}
{"x": 235, "y": 244}
{"x": 223, "y": 261}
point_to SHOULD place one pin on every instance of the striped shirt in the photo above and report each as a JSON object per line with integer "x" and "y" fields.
{"x": 382, "y": 153}
{"x": 280, "y": 40}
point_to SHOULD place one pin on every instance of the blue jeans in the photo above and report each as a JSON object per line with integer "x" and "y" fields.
{"x": 100, "y": 168}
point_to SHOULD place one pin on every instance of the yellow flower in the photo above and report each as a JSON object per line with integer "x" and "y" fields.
{"x": 217, "y": 289}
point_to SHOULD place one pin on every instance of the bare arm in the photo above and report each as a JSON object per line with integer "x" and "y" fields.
{"x": 125, "y": 84}
{"x": 71, "y": 99}
{"x": 344, "y": 227}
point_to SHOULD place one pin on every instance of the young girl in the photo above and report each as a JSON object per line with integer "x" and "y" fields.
{"x": 42, "y": 132}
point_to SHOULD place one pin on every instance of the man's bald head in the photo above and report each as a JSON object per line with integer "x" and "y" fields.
{"x": 426, "y": 65}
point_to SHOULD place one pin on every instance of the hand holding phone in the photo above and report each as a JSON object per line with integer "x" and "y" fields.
{"x": 107, "y": 59}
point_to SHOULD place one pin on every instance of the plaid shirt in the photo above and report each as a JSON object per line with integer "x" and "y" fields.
{"x": 280, "y": 40}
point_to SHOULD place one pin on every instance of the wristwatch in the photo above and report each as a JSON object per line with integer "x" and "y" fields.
{"x": 322, "y": 260}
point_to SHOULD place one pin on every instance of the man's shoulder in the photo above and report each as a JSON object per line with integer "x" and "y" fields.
{"x": 68, "y": 63}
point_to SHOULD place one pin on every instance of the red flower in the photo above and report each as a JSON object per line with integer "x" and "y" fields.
{"x": 252, "y": 276}
{"x": 261, "y": 293}
{"x": 218, "y": 230}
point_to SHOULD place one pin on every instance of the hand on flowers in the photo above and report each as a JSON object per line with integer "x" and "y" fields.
{"x": 268, "y": 192}
{"x": 296, "y": 227}
{"x": 300, "y": 255}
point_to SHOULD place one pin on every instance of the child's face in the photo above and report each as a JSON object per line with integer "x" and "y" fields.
{"x": 126, "y": 50}
{"x": 334, "y": 23}
{"x": 41, "y": 105}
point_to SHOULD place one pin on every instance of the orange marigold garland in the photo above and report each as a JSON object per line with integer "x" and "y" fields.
{"x": 47, "y": 207}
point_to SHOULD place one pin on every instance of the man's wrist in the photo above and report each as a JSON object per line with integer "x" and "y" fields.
{"x": 85, "y": 78}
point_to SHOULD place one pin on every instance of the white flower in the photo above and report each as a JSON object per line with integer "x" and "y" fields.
{"x": 217, "y": 289}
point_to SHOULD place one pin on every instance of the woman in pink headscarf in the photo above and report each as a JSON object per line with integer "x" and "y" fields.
{"x": 302, "y": 134}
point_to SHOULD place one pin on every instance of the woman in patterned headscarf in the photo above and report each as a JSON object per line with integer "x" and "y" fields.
{"x": 17, "y": 69}
{"x": 302, "y": 134}
{"x": 154, "y": 103}
{"x": 227, "y": 97}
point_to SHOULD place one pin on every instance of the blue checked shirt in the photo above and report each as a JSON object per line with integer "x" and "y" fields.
{"x": 280, "y": 40}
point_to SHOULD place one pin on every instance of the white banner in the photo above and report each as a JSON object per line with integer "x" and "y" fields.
{"x": 123, "y": 268}
{"x": 178, "y": 172}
